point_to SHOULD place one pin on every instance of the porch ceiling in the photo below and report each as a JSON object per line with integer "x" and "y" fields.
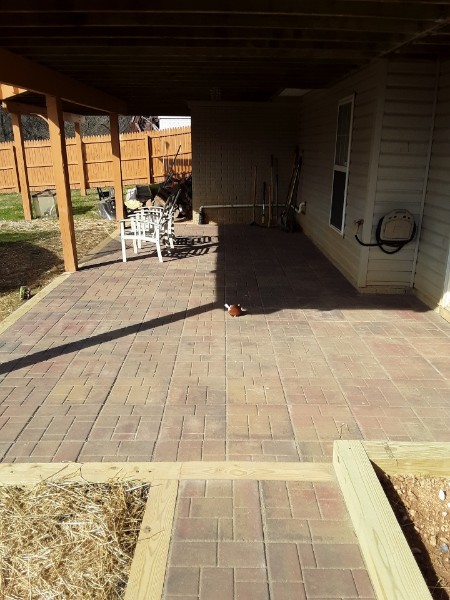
{"x": 157, "y": 56}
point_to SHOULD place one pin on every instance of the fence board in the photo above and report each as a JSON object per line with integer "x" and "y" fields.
{"x": 8, "y": 167}
{"x": 146, "y": 157}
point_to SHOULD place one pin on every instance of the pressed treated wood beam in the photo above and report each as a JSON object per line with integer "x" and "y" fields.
{"x": 19, "y": 71}
{"x": 62, "y": 186}
{"x": 259, "y": 471}
{"x": 390, "y": 563}
{"x": 431, "y": 458}
{"x": 33, "y": 473}
{"x": 148, "y": 568}
{"x": 21, "y": 166}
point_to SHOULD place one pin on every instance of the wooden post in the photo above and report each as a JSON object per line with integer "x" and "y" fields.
{"x": 79, "y": 152}
{"x": 21, "y": 165}
{"x": 116, "y": 164}
{"x": 61, "y": 175}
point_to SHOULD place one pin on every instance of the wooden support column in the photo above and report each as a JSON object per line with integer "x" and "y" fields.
{"x": 80, "y": 161}
{"x": 61, "y": 174}
{"x": 21, "y": 165}
{"x": 116, "y": 164}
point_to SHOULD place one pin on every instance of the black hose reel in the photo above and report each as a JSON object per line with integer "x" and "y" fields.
{"x": 393, "y": 232}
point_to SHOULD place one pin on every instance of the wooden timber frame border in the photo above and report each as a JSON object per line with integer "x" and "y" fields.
{"x": 148, "y": 567}
{"x": 389, "y": 560}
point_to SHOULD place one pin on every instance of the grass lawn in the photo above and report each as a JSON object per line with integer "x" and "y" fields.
{"x": 31, "y": 251}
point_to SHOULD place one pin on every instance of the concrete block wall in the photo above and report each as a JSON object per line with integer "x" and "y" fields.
{"x": 228, "y": 140}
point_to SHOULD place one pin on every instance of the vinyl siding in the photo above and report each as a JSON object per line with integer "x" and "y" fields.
{"x": 317, "y": 134}
{"x": 402, "y": 164}
{"x": 435, "y": 228}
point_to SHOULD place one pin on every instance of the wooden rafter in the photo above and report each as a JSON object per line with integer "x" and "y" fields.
{"x": 9, "y": 91}
{"x": 19, "y": 71}
{"x": 21, "y": 108}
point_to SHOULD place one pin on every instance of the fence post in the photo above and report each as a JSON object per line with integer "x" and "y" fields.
{"x": 149, "y": 149}
{"x": 15, "y": 169}
{"x": 80, "y": 161}
{"x": 21, "y": 165}
{"x": 116, "y": 164}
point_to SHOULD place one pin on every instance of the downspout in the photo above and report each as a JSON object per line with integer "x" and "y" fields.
{"x": 427, "y": 172}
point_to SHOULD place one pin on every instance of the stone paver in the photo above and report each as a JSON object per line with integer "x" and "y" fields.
{"x": 139, "y": 361}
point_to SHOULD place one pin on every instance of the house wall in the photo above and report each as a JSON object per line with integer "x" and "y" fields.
{"x": 228, "y": 140}
{"x": 391, "y": 141}
{"x": 399, "y": 159}
{"x": 406, "y": 133}
{"x": 317, "y": 134}
{"x": 433, "y": 251}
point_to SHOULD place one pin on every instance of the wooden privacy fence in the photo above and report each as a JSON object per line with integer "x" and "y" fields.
{"x": 145, "y": 156}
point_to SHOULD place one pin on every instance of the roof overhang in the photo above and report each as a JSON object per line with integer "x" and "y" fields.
{"x": 155, "y": 58}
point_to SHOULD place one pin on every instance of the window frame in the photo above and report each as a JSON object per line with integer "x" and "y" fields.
{"x": 340, "y": 168}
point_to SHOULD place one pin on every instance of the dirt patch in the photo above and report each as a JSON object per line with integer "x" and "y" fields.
{"x": 31, "y": 254}
{"x": 422, "y": 508}
{"x": 68, "y": 540}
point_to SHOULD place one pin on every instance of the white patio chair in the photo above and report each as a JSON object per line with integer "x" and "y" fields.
{"x": 141, "y": 229}
{"x": 150, "y": 224}
{"x": 166, "y": 220}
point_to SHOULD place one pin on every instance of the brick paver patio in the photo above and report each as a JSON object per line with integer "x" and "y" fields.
{"x": 139, "y": 361}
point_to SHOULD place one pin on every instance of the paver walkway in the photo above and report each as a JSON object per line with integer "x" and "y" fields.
{"x": 139, "y": 361}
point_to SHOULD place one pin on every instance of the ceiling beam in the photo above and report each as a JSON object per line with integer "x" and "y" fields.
{"x": 8, "y": 91}
{"x": 16, "y": 70}
{"x": 188, "y": 52}
{"x": 209, "y": 37}
{"x": 19, "y": 108}
{"x": 88, "y": 12}
{"x": 316, "y": 23}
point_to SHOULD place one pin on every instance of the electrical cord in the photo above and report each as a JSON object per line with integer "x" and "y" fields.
{"x": 397, "y": 245}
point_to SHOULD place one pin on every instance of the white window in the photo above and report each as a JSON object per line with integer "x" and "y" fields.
{"x": 341, "y": 162}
